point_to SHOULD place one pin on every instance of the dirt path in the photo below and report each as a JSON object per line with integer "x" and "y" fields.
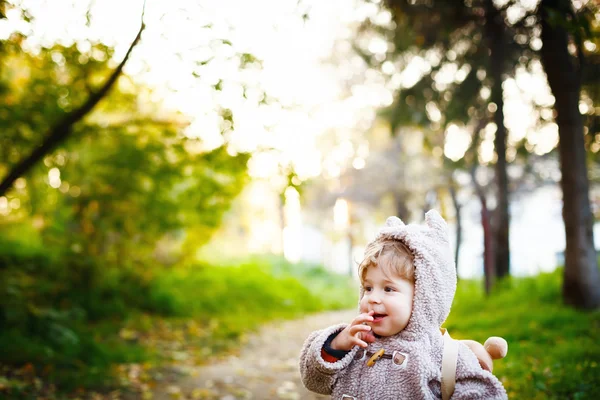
{"x": 266, "y": 368}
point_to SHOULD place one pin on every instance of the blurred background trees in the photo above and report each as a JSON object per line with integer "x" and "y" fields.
{"x": 125, "y": 176}
{"x": 562, "y": 27}
{"x": 465, "y": 53}
{"x": 100, "y": 185}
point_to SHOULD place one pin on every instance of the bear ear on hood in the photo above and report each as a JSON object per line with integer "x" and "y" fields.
{"x": 393, "y": 222}
{"x": 434, "y": 220}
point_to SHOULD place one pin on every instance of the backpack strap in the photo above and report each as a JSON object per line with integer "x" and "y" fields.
{"x": 449, "y": 359}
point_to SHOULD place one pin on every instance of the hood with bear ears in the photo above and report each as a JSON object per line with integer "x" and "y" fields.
{"x": 435, "y": 271}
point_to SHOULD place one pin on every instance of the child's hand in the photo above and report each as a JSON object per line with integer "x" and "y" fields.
{"x": 355, "y": 334}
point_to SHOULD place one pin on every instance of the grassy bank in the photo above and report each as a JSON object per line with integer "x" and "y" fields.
{"x": 70, "y": 327}
{"x": 66, "y": 336}
{"x": 554, "y": 351}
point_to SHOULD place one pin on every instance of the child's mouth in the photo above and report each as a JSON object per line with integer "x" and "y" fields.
{"x": 378, "y": 317}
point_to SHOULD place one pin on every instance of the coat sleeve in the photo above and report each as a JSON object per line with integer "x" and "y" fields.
{"x": 317, "y": 374}
{"x": 472, "y": 381}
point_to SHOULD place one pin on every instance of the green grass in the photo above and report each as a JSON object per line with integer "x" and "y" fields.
{"x": 554, "y": 351}
{"x": 73, "y": 339}
{"x": 241, "y": 297}
{"x": 58, "y": 332}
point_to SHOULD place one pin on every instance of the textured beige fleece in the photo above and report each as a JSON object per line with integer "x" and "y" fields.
{"x": 421, "y": 342}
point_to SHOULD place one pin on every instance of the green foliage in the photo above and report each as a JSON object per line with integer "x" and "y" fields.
{"x": 72, "y": 319}
{"x": 206, "y": 291}
{"x": 264, "y": 288}
{"x": 554, "y": 351}
{"x": 40, "y": 89}
{"x": 335, "y": 291}
{"x": 127, "y": 155}
{"x": 92, "y": 235}
{"x": 120, "y": 173}
{"x": 45, "y": 313}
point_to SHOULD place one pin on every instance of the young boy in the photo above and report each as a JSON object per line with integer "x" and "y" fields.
{"x": 408, "y": 280}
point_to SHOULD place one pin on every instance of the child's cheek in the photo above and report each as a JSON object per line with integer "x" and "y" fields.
{"x": 363, "y": 305}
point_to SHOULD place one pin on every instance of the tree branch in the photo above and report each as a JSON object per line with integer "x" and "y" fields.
{"x": 61, "y": 131}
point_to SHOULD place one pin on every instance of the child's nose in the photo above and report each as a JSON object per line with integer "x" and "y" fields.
{"x": 374, "y": 298}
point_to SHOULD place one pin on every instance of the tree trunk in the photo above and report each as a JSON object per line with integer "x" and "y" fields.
{"x": 457, "y": 210}
{"x": 350, "y": 242}
{"x": 401, "y": 209}
{"x": 489, "y": 272}
{"x": 281, "y": 209}
{"x": 495, "y": 31}
{"x": 581, "y": 281}
{"x": 488, "y": 248}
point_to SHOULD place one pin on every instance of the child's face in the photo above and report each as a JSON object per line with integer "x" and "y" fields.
{"x": 390, "y": 297}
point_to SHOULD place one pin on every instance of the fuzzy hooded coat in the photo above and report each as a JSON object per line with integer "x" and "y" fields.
{"x": 421, "y": 342}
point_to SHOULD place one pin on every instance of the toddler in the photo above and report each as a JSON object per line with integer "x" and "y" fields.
{"x": 394, "y": 349}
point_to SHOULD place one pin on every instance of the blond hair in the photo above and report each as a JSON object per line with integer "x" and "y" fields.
{"x": 393, "y": 255}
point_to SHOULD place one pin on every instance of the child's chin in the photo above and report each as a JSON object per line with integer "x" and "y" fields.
{"x": 383, "y": 332}
{"x": 380, "y": 332}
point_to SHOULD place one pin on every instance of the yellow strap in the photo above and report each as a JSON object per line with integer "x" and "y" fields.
{"x": 449, "y": 359}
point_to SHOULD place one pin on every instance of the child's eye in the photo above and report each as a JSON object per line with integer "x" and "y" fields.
{"x": 389, "y": 289}
{"x": 368, "y": 288}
